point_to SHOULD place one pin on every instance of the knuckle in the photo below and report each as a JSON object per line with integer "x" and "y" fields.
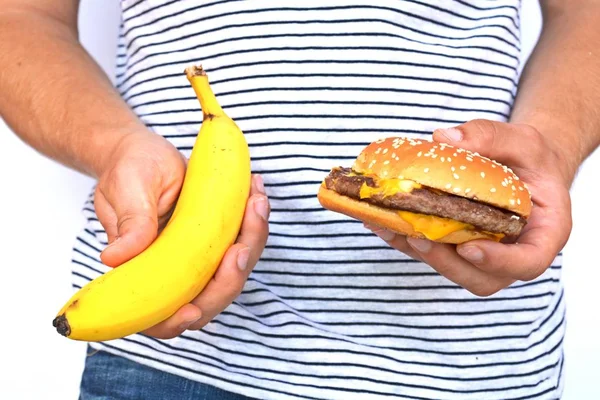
{"x": 486, "y": 129}
{"x": 232, "y": 287}
{"x": 236, "y": 289}
{"x": 483, "y": 133}
{"x": 484, "y": 290}
{"x": 163, "y": 334}
{"x": 533, "y": 272}
{"x": 196, "y": 326}
{"x": 538, "y": 269}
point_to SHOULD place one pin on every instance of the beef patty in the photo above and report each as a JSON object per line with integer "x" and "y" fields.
{"x": 428, "y": 201}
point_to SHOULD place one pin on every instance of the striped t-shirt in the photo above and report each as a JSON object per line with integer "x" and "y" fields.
{"x": 330, "y": 311}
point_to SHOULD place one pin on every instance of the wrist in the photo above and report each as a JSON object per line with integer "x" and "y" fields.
{"x": 108, "y": 144}
{"x": 562, "y": 139}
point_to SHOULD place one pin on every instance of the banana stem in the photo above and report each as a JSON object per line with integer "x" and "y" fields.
{"x": 208, "y": 102}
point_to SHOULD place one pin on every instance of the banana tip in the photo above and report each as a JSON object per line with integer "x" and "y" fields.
{"x": 194, "y": 70}
{"x": 62, "y": 325}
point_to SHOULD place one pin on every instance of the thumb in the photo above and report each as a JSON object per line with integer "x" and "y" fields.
{"x": 500, "y": 141}
{"x": 137, "y": 227}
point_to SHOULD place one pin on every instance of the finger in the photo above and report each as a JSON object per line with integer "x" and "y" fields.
{"x": 499, "y": 141}
{"x": 444, "y": 259}
{"x": 106, "y": 215}
{"x": 137, "y": 224}
{"x": 255, "y": 226}
{"x": 525, "y": 260}
{"x": 175, "y": 324}
{"x": 225, "y": 286}
{"x": 394, "y": 240}
{"x": 239, "y": 260}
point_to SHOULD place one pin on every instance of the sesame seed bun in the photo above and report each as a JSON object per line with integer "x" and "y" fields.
{"x": 389, "y": 219}
{"x": 446, "y": 168}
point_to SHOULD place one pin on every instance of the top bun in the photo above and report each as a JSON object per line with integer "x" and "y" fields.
{"x": 447, "y": 168}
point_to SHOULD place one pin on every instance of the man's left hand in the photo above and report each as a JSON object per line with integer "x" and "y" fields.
{"x": 483, "y": 266}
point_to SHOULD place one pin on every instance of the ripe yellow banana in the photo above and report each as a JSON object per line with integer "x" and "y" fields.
{"x": 177, "y": 266}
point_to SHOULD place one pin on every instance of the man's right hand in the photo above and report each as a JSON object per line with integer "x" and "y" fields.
{"x": 136, "y": 192}
{"x": 138, "y": 186}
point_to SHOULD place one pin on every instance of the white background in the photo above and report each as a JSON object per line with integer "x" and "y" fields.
{"x": 40, "y": 202}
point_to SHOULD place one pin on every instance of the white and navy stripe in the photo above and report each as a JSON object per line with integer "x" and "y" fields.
{"x": 330, "y": 312}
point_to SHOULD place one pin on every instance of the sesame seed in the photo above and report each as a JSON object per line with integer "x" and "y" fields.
{"x": 493, "y": 190}
{"x": 504, "y": 184}
{"x": 426, "y": 170}
{"x": 513, "y": 187}
{"x": 483, "y": 174}
{"x": 493, "y": 166}
{"x": 467, "y": 190}
{"x": 512, "y": 202}
{"x": 443, "y": 159}
{"x": 385, "y": 151}
{"x": 469, "y": 159}
{"x": 449, "y": 159}
{"x": 519, "y": 201}
{"x": 448, "y": 186}
{"x": 456, "y": 190}
{"x": 455, "y": 155}
{"x": 452, "y": 169}
{"x": 462, "y": 167}
{"x": 456, "y": 176}
{"x": 434, "y": 156}
{"x": 520, "y": 188}
{"x": 419, "y": 154}
{"x": 386, "y": 162}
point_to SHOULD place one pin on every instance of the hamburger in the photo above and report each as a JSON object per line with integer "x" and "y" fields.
{"x": 429, "y": 190}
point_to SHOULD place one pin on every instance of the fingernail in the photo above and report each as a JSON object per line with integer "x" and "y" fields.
{"x": 452, "y": 134}
{"x": 421, "y": 245}
{"x": 471, "y": 253}
{"x": 242, "y": 258}
{"x": 261, "y": 207}
{"x": 385, "y": 234}
{"x": 259, "y": 183}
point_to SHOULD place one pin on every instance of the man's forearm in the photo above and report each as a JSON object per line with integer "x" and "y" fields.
{"x": 54, "y": 96}
{"x": 559, "y": 92}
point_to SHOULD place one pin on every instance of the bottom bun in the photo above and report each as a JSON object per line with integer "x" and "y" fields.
{"x": 389, "y": 219}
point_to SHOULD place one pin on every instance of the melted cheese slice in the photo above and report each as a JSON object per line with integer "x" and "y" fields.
{"x": 431, "y": 226}
{"x": 388, "y": 187}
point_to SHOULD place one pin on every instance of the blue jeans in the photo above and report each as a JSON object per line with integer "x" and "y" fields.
{"x": 110, "y": 377}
